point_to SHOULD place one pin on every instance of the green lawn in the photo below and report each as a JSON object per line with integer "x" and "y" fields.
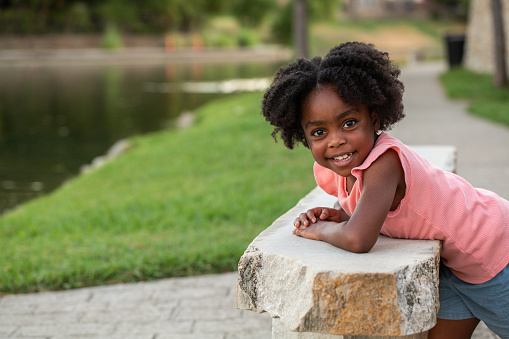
{"x": 180, "y": 202}
{"x": 484, "y": 99}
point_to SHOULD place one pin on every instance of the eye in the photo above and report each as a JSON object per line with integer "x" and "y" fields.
{"x": 349, "y": 123}
{"x": 318, "y": 133}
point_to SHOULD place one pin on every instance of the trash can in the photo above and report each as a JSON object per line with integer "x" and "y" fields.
{"x": 454, "y": 46}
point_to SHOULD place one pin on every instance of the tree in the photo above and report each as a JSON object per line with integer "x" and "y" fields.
{"x": 252, "y": 12}
{"x": 500, "y": 71}
{"x": 44, "y": 16}
{"x": 285, "y": 20}
{"x": 300, "y": 28}
{"x": 458, "y": 8}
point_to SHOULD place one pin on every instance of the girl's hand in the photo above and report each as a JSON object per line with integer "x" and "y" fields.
{"x": 313, "y": 231}
{"x": 315, "y": 214}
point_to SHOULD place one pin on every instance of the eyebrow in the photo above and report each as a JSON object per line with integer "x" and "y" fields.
{"x": 336, "y": 118}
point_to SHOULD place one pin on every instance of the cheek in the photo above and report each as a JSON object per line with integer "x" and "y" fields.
{"x": 317, "y": 151}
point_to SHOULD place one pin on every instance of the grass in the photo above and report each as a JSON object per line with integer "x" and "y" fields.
{"x": 485, "y": 100}
{"x": 181, "y": 202}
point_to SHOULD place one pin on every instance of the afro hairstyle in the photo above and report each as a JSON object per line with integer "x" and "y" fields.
{"x": 361, "y": 74}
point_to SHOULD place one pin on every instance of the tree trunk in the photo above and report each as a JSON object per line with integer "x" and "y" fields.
{"x": 500, "y": 71}
{"x": 300, "y": 28}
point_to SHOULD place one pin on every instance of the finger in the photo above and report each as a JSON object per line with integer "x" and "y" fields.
{"x": 311, "y": 216}
{"x": 325, "y": 214}
{"x": 304, "y": 221}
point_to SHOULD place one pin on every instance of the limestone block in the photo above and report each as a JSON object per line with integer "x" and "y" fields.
{"x": 311, "y": 286}
{"x": 315, "y": 287}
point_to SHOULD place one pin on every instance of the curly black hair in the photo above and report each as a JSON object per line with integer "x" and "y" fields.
{"x": 361, "y": 74}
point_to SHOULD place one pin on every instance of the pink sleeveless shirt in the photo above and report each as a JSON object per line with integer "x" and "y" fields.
{"x": 472, "y": 223}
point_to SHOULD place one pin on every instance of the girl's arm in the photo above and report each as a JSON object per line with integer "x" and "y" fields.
{"x": 360, "y": 232}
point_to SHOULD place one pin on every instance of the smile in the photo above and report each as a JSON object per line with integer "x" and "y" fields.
{"x": 343, "y": 157}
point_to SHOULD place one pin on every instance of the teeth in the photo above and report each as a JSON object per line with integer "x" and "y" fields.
{"x": 343, "y": 157}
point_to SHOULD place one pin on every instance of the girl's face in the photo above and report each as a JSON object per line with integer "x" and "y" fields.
{"x": 339, "y": 135}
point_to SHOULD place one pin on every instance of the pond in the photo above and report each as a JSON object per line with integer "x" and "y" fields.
{"x": 55, "y": 119}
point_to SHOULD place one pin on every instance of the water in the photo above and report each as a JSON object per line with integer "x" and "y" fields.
{"x": 55, "y": 119}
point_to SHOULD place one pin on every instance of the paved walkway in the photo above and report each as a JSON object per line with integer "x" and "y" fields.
{"x": 180, "y": 308}
{"x": 204, "y": 307}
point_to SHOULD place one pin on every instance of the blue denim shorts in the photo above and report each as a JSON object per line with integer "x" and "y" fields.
{"x": 488, "y": 301}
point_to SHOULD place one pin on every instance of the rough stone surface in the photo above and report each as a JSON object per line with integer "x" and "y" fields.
{"x": 312, "y": 286}
{"x": 315, "y": 287}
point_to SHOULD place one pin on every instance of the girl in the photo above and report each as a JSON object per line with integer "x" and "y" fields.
{"x": 339, "y": 107}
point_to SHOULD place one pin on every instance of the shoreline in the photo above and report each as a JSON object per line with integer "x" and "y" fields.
{"x": 139, "y": 55}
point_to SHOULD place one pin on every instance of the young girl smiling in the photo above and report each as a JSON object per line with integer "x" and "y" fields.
{"x": 339, "y": 107}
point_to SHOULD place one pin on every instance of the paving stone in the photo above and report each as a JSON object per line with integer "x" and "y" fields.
{"x": 40, "y": 319}
{"x": 6, "y": 329}
{"x": 154, "y": 328}
{"x": 191, "y": 336}
{"x": 203, "y": 313}
{"x": 261, "y": 334}
{"x": 123, "y": 336}
{"x": 98, "y": 330}
{"x": 215, "y": 301}
{"x": 231, "y": 326}
{"x": 144, "y": 314}
{"x": 120, "y": 295}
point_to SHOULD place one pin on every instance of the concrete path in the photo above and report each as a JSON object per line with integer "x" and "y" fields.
{"x": 204, "y": 307}
{"x": 198, "y": 307}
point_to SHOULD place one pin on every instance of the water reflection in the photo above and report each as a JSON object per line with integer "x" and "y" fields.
{"x": 55, "y": 119}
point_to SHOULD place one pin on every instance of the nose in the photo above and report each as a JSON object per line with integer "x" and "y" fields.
{"x": 336, "y": 139}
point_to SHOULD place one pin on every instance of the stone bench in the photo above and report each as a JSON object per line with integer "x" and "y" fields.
{"x": 312, "y": 289}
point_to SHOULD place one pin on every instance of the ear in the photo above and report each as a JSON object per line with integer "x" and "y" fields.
{"x": 376, "y": 121}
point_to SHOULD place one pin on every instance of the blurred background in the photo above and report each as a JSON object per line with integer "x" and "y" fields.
{"x": 77, "y": 76}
